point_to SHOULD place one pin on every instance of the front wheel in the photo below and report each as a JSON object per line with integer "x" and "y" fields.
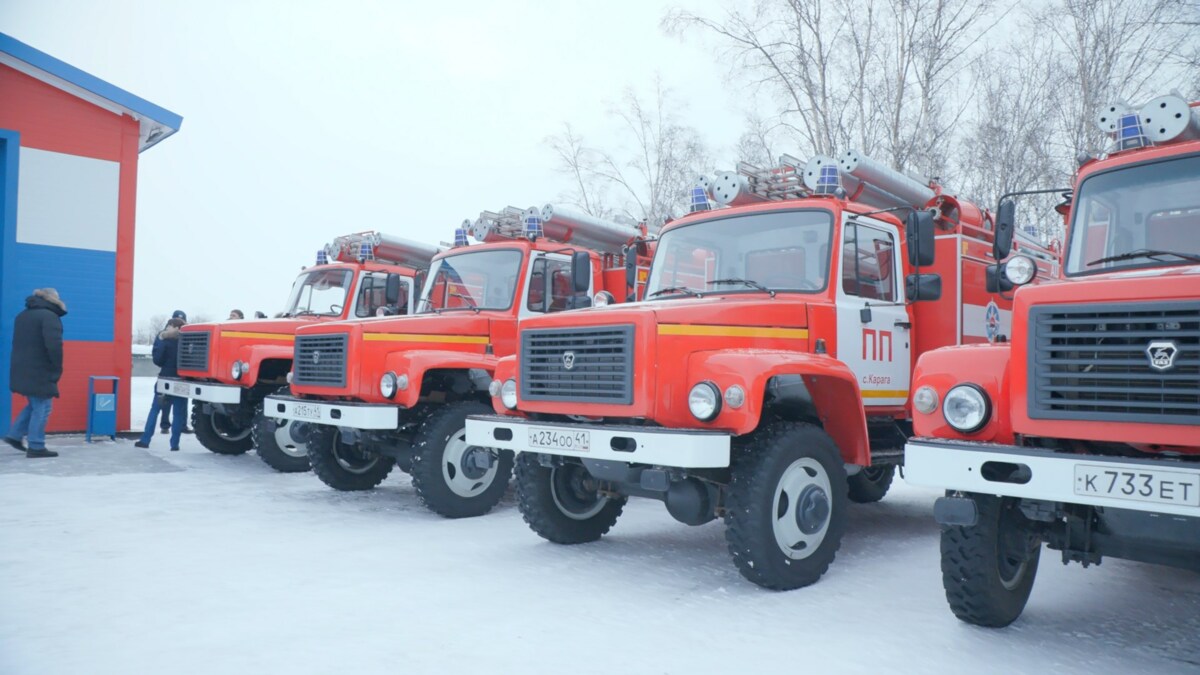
{"x": 343, "y": 466}
{"x": 278, "y": 441}
{"x": 988, "y": 569}
{"x": 871, "y": 483}
{"x": 453, "y": 478}
{"x": 563, "y": 503}
{"x": 787, "y": 505}
{"x": 220, "y": 433}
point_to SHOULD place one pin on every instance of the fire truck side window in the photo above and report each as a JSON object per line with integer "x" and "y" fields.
{"x": 868, "y": 260}
{"x": 372, "y": 296}
{"x": 551, "y": 278}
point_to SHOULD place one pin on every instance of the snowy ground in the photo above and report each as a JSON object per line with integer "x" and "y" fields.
{"x": 120, "y": 560}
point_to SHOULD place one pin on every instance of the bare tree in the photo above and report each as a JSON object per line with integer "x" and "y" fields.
{"x": 646, "y": 173}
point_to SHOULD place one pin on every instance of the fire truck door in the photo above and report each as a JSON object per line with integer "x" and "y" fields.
{"x": 872, "y": 319}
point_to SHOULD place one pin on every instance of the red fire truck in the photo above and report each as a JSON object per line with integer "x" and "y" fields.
{"x": 1082, "y": 432}
{"x": 764, "y": 377}
{"x": 227, "y": 368}
{"x": 377, "y": 393}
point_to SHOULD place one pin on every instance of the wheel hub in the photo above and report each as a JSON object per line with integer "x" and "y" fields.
{"x": 813, "y": 509}
{"x": 475, "y": 462}
{"x": 467, "y": 469}
{"x": 574, "y": 492}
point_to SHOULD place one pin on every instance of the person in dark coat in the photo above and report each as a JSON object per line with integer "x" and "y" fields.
{"x": 165, "y": 424}
{"x": 166, "y": 351}
{"x": 37, "y": 366}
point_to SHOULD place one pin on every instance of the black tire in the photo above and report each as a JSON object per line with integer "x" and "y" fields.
{"x": 442, "y": 474}
{"x": 219, "y": 433}
{"x": 805, "y": 458}
{"x": 871, "y": 484}
{"x": 988, "y": 569}
{"x": 344, "y": 467}
{"x": 557, "y": 504}
{"x": 274, "y": 444}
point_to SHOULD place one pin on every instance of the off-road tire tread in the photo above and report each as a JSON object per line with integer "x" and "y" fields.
{"x": 432, "y": 434}
{"x": 202, "y": 427}
{"x": 750, "y": 492}
{"x": 325, "y": 465}
{"x": 539, "y": 511}
{"x": 864, "y": 491}
{"x": 263, "y": 433}
{"x": 968, "y": 565}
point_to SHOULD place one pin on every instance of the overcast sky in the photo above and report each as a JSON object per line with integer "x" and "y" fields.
{"x": 305, "y": 120}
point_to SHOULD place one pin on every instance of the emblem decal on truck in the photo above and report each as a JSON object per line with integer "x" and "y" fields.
{"x": 568, "y": 360}
{"x": 316, "y": 357}
{"x": 1162, "y": 354}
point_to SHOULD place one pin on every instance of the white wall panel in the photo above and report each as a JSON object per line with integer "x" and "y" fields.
{"x": 66, "y": 200}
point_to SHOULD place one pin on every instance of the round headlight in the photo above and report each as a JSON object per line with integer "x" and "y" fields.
{"x": 387, "y": 385}
{"x": 235, "y": 371}
{"x": 494, "y": 388}
{"x": 966, "y": 408}
{"x": 508, "y": 394}
{"x": 1020, "y": 270}
{"x": 735, "y": 396}
{"x": 289, "y": 377}
{"x": 925, "y": 400}
{"x": 704, "y": 400}
{"x": 602, "y": 299}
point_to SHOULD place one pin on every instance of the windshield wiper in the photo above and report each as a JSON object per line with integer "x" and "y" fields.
{"x": 676, "y": 289}
{"x": 1144, "y": 253}
{"x": 466, "y": 298}
{"x": 745, "y": 282}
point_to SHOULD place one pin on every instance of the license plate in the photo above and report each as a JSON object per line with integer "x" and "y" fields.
{"x": 308, "y": 412}
{"x": 1139, "y": 485}
{"x": 180, "y": 388}
{"x": 558, "y": 439}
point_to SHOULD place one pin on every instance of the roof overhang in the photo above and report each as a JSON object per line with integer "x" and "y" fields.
{"x": 155, "y": 123}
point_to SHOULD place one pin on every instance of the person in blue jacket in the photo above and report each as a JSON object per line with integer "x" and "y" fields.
{"x": 166, "y": 350}
{"x": 165, "y": 424}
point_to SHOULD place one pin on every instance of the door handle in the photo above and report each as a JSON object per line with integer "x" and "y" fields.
{"x": 903, "y": 324}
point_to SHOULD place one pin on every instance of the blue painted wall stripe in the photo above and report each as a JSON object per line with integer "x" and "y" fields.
{"x": 85, "y": 280}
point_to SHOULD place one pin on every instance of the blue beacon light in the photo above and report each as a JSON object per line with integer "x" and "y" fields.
{"x": 699, "y": 200}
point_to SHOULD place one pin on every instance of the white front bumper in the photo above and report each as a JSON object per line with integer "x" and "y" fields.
{"x": 1052, "y": 476}
{"x": 333, "y": 413}
{"x": 649, "y": 445}
{"x": 200, "y": 391}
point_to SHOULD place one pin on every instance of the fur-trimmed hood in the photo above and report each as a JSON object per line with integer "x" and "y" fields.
{"x": 50, "y": 300}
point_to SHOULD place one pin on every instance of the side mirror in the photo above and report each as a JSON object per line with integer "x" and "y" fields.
{"x": 923, "y": 287}
{"x": 631, "y": 256}
{"x": 1006, "y": 218}
{"x": 391, "y": 292}
{"x": 918, "y": 230}
{"x": 581, "y": 271}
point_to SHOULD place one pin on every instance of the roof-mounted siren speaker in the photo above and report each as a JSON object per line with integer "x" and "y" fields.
{"x": 402, "y": 251}
{"x": 484, "y": 230}
{"x": 1108, "y": 119}
{"x": 568, "y": 225}
{"x": 879, "y": 186}
{"x": 731, "y": 188}
{"x": 1170, "y": 119}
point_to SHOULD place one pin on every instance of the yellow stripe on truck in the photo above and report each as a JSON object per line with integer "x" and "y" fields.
{"x": 732, "y": 331}
{"x": 419, "y": 337}
{"x": 885, "y": 393}
{"x": 258, "y": 336}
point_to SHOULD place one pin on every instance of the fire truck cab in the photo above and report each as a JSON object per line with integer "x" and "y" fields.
{"x": 227, "y": 368}
{"x": 764, "y": 377}
{"x": 370, "y": 395}
{"x": 1081, "y": 433}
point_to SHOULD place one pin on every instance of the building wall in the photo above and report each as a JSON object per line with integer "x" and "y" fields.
{"x": 71, "y": 169}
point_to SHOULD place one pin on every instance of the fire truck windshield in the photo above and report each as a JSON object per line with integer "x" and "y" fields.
{"x": 319, "y": 292}
{"x": 753, "y": 253}
{"x": 474, "y": 280}
{"x": 1147, "y": 215}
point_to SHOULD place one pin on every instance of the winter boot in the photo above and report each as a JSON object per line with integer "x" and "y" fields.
{"x": 16, "y": 443}
{"x": 34, "y": 453}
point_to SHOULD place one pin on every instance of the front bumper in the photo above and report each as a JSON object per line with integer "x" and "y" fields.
{"x": 1149, "y": 485}
{"x": 683, "y": 448}
{"x": 333, "y": 413}
{"x": 200, "y": 391}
